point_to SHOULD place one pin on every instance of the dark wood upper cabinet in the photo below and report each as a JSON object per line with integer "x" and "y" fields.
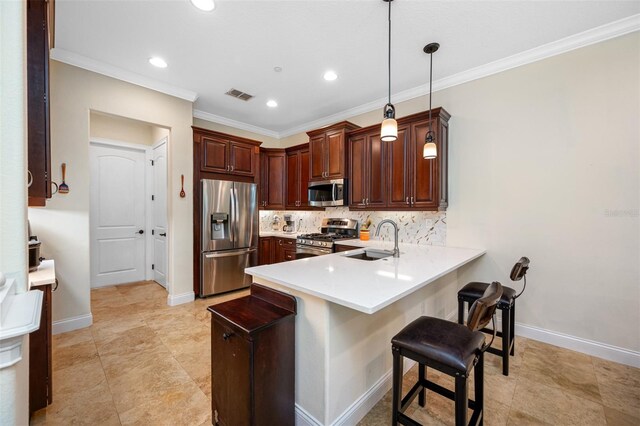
{"x": 368, "y": 171}
{"x": 399, "y": 189}
{"x": 215, "y": 155}
{"x": 394, "y": 175}
{"x": 297, "y": 197}
{"x": 226, "y": 154}
{"x": 272, "y": 179}
{"x": 327, "y": 151}
{"x": 38, "y": 134}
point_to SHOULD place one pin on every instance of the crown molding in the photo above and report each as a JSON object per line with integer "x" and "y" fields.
{"x": 576, "y": 41}
{"x": 103, "y": 68}
{"x": 203, "y": 115}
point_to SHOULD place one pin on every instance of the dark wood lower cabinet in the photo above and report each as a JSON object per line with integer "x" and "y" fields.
{"x": 40, "y": 377}
{"x": 276, "y": 250}
{"x": 253, "y": 359}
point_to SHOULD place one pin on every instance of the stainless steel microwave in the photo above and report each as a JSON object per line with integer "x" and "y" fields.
{"x": 327, "y": 193}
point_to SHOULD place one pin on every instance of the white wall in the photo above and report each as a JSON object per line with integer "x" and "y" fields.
{"x": 120, "y": 129}
{"x": 63, "y": 226}
{"x": 545, "y": 163}
{"x": 14, "y": 380}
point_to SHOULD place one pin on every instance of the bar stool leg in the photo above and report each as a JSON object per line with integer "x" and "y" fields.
{"x": 397, "y": 386}
{"x": 461, "y": 400}
{"x": 513, "y": 329}
{"x": 506, "y": 340}
{"x": 460, "y": 310}
{"x": 478, "y": 379}
{"x": 422, "y": 377}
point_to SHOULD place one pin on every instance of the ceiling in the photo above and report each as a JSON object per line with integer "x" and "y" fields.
{"x": 240, "y": 42}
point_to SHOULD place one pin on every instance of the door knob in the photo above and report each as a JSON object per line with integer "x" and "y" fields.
{"x": 164, "y": 234}
{"x": 141, "y": 231}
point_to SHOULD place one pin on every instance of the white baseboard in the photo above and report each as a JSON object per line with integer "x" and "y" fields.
{"x": 70, "y": 324}
{"x": 578, "y": 344}
{"x": 589, "y": 347}
{"x": 179, "y": 299}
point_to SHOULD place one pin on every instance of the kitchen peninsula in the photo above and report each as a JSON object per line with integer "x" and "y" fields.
{"x": 348, "y": 311}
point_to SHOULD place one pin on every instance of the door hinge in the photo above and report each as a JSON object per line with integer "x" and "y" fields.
{"x": 153, "y": 198}
{"x": 153, "y": 266}
{"x": 152, "y": 162}
{"x": 153, "y": 232}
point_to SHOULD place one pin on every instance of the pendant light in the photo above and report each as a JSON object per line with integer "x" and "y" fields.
{"x": 389, "y": 128}
{"x": 430, "y": 151}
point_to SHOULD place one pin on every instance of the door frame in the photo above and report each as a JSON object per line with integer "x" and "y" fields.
{"x": 148, "y": 187}
{"x": 149, "y": 212}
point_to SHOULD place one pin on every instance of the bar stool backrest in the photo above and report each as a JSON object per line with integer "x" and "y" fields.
{"x": 482, "y": 310}
{"x": 519, "y": 270}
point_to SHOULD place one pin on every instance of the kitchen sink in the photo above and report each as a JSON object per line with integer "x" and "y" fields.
{"x": 370, "y": 255}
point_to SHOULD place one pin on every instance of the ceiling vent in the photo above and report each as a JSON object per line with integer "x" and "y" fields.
{"x": 239, "y": 94}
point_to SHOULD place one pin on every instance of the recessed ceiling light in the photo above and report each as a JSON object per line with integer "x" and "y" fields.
{"x": 277, "y": 69}
{"x": 158, "y": 62}
{"x": 330, "y": 75}
{"x": 271, "y": 103}
{"x": 206, "y": 5}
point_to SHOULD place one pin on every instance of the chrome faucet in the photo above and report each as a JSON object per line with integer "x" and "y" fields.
{"x": 396, "y": 250}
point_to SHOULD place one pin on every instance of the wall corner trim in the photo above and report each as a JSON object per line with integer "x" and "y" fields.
{"x": 179, "y": 299}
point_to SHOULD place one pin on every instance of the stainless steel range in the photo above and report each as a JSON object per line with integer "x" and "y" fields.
{"x": 332, "y": 229}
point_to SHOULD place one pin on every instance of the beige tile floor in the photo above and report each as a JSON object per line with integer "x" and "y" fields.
{"x": 145, "y": 363}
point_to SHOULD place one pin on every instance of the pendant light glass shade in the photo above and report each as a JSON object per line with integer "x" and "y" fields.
{"x": 429, "y": 151}
{"x": 389, "y": 128}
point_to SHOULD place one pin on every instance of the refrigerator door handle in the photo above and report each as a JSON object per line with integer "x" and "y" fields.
{"x": 236, "y": 213}
{"x": 230, "y": 253}
{"x": 232, "y": 217}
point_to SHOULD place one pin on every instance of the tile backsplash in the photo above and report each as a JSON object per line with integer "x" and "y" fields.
{"x": 415, "y": 227}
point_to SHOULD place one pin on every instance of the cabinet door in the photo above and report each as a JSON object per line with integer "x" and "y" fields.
{"x": 214, "y": 155}
{"x": 317, "y": 158}
{"x": 358, "y": 170}
{"x": 398, "y": 195}
{"x": 304, "y": 178}
{"x": 376, "y": 172}
{"x": 38, "y": 143}
{"x": 424, "y": 177}
{"x": 265, "y": 253}
{"x": 242, "y": 162}
{"x": 334, "y": 146}
{"x": 276, "y": 179}
{"x": 231, "y": 371}
{"x": 293, "y": 180}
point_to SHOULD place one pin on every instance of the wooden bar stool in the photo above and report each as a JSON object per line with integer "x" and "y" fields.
{"x": 448, "y": 347}
{"x": 474, "y": 290}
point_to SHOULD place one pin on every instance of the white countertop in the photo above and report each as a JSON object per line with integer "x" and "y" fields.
{"x": 46, "y": 274}
{"x": 367, "y": 286}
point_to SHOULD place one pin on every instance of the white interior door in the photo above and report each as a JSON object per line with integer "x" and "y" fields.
{"x": 159, "y": 224}
{"x": 117, "y": 214}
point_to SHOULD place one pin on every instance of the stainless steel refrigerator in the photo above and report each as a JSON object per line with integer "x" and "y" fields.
{"x": 229, "y": 235}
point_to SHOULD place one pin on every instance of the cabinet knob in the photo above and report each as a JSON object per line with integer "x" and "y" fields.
{"x": 226, "y": 336}
{"x": 411, "y": 200}
{"x": 407, "y": 200}
{"x": 231, "y": 168}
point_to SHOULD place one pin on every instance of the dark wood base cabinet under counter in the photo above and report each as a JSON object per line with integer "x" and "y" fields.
{"x": 253, "y": 359}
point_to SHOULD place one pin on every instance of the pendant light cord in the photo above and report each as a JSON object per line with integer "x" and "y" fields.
{"x": 389, "y": 50}
{"x": 430, "y": 86}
